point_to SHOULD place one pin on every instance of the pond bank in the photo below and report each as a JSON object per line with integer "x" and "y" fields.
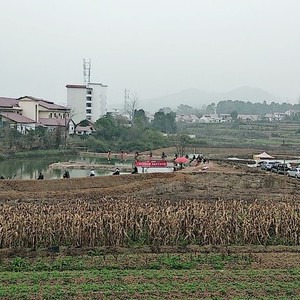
{"x": 86, "y": 166}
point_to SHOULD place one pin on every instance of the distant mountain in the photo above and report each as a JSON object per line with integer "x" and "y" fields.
{"x": 197, "y": 98}
{"x": 250, "y": 94}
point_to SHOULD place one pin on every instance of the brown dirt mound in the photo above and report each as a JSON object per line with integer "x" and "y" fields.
{"x": 218, "y": 181}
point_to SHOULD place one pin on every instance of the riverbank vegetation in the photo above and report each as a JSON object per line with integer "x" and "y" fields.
{"x": 113, "y": 133}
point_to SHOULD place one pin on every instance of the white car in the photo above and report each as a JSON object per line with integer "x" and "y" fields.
{"x": 294, "y": 172}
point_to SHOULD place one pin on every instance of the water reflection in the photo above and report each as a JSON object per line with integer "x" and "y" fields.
{"x": 30, "y": 168}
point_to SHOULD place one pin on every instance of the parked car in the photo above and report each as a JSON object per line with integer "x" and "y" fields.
{"x": 257, "y": 164}
{"x": 273, "y": 166}
{"x": 260, "y": 163}
{"x": 294, "y": 172}
{"x": 264, "y": 165}
{"x": 283, "y": 168}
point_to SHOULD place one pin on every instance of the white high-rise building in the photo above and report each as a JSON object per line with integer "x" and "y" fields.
{"x": 87, "y": 102}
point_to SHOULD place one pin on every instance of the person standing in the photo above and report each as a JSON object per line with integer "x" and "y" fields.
{"x": 108, "y": 155}
{"x": 136, "y": 155}
{"x": 122, "y": 155}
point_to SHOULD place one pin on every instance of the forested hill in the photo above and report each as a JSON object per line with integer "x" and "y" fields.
{"x": 263, "y": 108}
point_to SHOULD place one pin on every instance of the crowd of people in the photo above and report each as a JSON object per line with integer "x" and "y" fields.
{"x": 195, "y": 160}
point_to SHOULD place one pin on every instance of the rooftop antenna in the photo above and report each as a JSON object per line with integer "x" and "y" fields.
{"x": 87, "y": 70}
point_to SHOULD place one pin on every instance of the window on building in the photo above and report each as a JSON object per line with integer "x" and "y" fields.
{"x": 89, "y": 105}
{"x": 88, "y": 111}
{"x": 89, "y": 118}
{"x": 89, "y": 91}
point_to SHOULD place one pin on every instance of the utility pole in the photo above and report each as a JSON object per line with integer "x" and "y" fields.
{"x": 65, "y": 130}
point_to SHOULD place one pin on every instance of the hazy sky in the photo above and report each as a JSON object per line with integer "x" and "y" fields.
{"x": 152, "y": 47}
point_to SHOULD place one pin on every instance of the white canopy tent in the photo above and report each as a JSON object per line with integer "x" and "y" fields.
{"x": 263, "y": 155}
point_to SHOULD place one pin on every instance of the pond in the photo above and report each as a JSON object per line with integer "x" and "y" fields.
{"x": 30, "y": 168}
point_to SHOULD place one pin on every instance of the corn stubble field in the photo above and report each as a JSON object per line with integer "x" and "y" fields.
{"x": 173, "y": 233}
{"x": 115, "y": 223}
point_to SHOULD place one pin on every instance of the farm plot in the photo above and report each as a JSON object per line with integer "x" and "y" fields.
{"x": 149, "y": 276}
{"x": 61, "y": 239}
{"x": 219, "y": 208}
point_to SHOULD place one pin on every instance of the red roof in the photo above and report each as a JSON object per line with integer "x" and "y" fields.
{"x": 51, "y": 105}
{"x": 75, "y": 86}
{"x": 8, "y": 102}
{"x": 45, "y": 103}
{"x": 17, "y": 118}
{"x": 54, "y": 121}
{"x": 33, "y": 98}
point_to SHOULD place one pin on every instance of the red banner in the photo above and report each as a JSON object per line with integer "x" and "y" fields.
{"x": 152, "y": 164}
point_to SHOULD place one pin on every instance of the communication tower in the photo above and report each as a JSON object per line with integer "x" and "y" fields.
{"x": 126, "y": 94}
{"x": 87, "y": 70}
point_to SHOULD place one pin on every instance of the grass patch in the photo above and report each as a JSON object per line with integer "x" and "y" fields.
{"x": 146, "y": 276}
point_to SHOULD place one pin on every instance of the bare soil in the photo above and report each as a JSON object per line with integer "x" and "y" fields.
{"x": 206, "y": 182}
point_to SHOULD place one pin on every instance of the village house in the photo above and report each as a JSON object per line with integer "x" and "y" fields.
{"x": 249, "y": 118}
{"x": 275, "y": 117}
{"x": 187, "y": 118}
{"x": 210, "y": 118}
{"x": 291, "y": 112}
{"x": 52, "y": 124}
{"x": 84, "y": 130}
{"x": 215, "y": 118}
{"x": 9, "y": 105}
{"x": 15, "y": 120}
{"x": 225, "y": 117}
{"x": 279, "y": 116}
{"x": 26, "y": 113}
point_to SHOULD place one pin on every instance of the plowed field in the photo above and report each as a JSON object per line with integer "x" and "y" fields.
{"x": 218, "y": 181}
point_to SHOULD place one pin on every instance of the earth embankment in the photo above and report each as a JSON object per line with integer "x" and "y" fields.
{"x": 214, "y": 182}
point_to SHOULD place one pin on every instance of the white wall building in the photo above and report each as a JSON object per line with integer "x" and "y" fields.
{"x": 87, "y": 102}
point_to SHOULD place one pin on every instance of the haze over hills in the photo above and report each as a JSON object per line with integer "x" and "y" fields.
{"x": 197, "y": 98}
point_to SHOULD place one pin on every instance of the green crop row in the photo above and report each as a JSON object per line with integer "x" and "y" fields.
{"x": 152, "y": 284}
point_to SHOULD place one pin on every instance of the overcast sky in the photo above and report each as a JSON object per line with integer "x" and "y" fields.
{"x": 152, "y": 47}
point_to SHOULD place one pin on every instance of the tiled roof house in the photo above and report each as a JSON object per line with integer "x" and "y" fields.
{"x": 21, "y": 123}
{"x": 31, "y": 110}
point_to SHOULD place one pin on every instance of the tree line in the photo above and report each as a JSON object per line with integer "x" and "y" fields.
{"x": 249, "y": 108}
{"x": 138, "y": 133}
{"x": 112, "y": 132}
